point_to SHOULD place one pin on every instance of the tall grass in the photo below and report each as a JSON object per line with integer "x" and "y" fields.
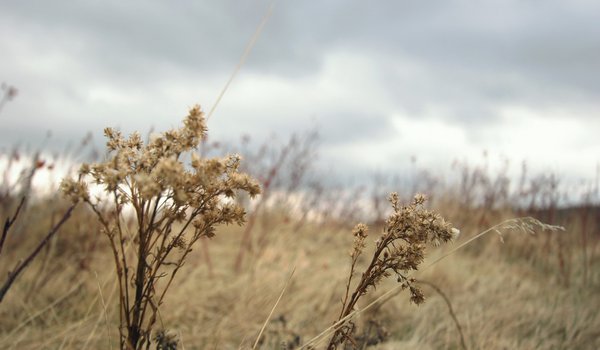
{"x": 155, "y": 201}
{"x": 67, "y": 298}
{"x": 503, "y": 295}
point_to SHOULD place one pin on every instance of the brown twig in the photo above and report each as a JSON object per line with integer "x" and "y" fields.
{"x": 262, "y": 329}
{"x": 12, "y": 276}
{"x": 450, "y": 309}
{"x": 246, "y": 243}
{"x": 9, "y": 222}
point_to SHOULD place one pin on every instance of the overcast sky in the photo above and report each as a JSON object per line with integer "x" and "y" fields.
{"x": 381, "y": 81}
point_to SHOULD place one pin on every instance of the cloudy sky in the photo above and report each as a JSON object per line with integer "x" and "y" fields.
{"x": 381, "y": 81}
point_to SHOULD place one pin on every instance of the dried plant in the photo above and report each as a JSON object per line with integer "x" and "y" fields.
{"x": 24, "y": 263}
{"x": 174, "y": 204}
{"x": 281, "y": 169}
{"x": 7, "y": 197}
{"x": 400, "y": 249}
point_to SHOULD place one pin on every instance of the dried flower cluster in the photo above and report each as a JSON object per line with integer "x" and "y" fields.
{"x": 175, "y": 204}
{"x": 400, "y": 249}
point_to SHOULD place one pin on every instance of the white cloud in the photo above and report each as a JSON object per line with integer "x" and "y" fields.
{"x": 381, "y": 83}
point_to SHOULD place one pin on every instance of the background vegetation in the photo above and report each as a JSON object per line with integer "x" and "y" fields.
{"x": 507, "y": 290}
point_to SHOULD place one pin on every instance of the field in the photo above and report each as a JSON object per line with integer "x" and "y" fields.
{"x": 287, "y": 267}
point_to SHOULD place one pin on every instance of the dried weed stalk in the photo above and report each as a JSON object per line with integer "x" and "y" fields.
{"x": 400, "y": 249}
{"x": 174, "y": 205}
{"x": 24, "y": 263}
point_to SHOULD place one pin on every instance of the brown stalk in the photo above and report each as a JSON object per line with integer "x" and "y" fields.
{"x": 450, "y": 310}
{"x": 9, "y": 222}
{"x": 12, "y": 276}
{"x": 266, "y": 185}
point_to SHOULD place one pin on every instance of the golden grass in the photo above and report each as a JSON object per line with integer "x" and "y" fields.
{"x": 507, "y": 295}
{"x": 528, "y": 293}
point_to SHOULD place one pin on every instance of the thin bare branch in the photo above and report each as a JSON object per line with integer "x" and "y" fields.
{"x": 12, "y": 276}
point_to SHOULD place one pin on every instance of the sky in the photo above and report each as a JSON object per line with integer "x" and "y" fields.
{"x": 382, "y": 82}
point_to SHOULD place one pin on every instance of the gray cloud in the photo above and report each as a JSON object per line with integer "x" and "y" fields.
{"x": 549, "y": 43}
{"x": 351, "y": 126}
{"x": 82, "y": 65}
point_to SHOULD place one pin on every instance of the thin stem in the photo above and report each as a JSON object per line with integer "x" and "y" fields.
{"x": 12, "y": 276}
{"x": 242, "y": 59}
{"x": 9, "y": 222}
{"x": 452, "y": 314}
{"x": 262, "y": 329}
{"x": 348, "y": 287}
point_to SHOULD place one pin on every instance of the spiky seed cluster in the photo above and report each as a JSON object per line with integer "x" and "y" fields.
{"x": 163, "y": 190}
{"x": 360, "y": 234}
{"x": 400, "y": 249}
{"x": 139, "y": 173}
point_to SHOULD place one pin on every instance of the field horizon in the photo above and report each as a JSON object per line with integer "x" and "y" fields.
{"x": 509, "y": 289}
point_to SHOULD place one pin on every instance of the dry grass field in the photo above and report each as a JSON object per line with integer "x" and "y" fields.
{"x": 508, "y": 289}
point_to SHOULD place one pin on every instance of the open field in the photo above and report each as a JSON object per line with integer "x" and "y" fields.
{"x": 528, "y": 292}
{"x": 173, "y": 240}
